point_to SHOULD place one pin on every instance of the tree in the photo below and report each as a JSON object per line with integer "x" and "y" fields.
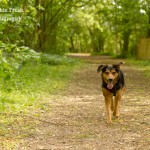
{"x": 125, "y": 20}
{"x": 50, "y": 26}
{"x": 145, "y": 10}
{"x": 50, "y": 14}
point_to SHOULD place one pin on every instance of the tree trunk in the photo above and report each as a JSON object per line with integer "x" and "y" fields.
{"x": 72, "y": 44}
{"x": 126, "y": 37}
{"x": 101, "y": 42}
{"x": 148, "y": 31}
{"x": 91, "y": 34}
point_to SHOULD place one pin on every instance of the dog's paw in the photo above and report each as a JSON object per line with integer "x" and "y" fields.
{"x": 109, "y": 121}
{"x": 116, "y": 114}
{"x": 115, "y": 117}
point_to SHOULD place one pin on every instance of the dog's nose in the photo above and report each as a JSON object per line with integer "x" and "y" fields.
{"x": 110, "y": 79}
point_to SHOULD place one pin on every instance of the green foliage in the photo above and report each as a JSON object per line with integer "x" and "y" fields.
{"x": 12, "y": 57}
{"x": 56, "y": 59}
{"x": 21, "y": 85}
{"x": 22, "y": 70}
{"x": 75, "y": 26}
{"x": 28, "y": 94}
{"x": 107, "y": 53}
{"x": 141, "y": 65}
{"x": 28, "y": 90}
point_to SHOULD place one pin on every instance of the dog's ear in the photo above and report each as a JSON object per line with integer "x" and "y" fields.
{"x": 118, "y": 65}
{"x": 100, "y": 68}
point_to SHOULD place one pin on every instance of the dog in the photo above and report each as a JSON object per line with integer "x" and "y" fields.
{"x": 113, "y": 86}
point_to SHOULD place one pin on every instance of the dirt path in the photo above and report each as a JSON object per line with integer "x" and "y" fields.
{"x": 76, "y": 119}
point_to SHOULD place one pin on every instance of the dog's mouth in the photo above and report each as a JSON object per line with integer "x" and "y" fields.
{"x": 110, "y": 84}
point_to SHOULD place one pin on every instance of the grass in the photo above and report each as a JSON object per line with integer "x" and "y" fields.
{"x": 34, "y": 80}
{"x": 103, "y": 53}
{"x": 22, "y": 98}
{"x": 84, "y": 136}
{"x": 141, "y": 65}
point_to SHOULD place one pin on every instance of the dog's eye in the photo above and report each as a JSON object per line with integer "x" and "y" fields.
{"x": 107, "y": 73}
{"x": 113, "y": 73}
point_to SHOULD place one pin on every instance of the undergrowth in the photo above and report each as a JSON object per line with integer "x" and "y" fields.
{"x": 22, "y": 95}
{"x": 33, "y": 80}
{"x": 141, "y": 65}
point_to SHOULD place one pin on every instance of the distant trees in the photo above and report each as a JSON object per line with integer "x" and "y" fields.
{"x": 59, "y": 26}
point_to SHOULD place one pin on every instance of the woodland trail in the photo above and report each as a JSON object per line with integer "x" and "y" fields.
{"x": 76, "y": 118}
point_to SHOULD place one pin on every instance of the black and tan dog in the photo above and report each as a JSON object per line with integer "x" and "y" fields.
{"x": 112, "y": 86}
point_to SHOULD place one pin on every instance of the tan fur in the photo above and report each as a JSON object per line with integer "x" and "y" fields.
{"x": 110, "y": 74}
{"x": 112, "y": 104}
{"x": 112, "y": 87}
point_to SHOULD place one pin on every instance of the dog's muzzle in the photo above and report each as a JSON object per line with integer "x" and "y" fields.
{"x": 110, "y": 84}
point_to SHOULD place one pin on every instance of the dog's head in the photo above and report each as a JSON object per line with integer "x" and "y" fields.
{"x": 110, "y": 74}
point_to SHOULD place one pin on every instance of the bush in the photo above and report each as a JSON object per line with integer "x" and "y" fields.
{"x": 53, "y": 59}
{"x": 12, "y": 57}
{"x": 25, "y": 74}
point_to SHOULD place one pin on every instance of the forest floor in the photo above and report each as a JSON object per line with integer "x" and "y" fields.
{"x": 76, "y": 118}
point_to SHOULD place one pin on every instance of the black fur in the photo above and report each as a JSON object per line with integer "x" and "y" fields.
{"x": 120, "y": 81}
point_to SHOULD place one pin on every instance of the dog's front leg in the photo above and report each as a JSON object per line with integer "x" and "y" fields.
{"x": 108, "y": 109}
{"x": 117, "y": 104}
